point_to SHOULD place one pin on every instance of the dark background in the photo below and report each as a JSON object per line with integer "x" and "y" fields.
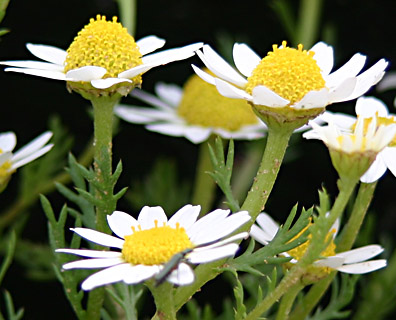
{"x": 28, "y": 102}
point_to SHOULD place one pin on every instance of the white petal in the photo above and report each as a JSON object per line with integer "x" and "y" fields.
{"x": 361, "y": 254}
{"x": 368, "y": 107}
{"x": 376, "y": 171}
{"x": 343, "y": 90}
{"x": 106, "y": 276}
{"x": 28, "y": 64}
{"x": 239, "y": 236}
{"x": 363, "y": 267}
{"x": 33, "y": 146}
{"x": 99, "y": 237}
{"x": 55, "y": 75}
{"x": 107, "y": 83}
{"x": 151, "y": 100}
{"x": 324, "y": 57}
{"x": 344, "y": 121}
{"x": 185, "y": 216}
{"x": 348, "y": 70}
{"x": 204, "y": 256}
{"x": 245, "y": 59}
{"x": 195, "y": 134}
{"x": 388, "y": 155}
{"x": 171, "y": 55}
{"x": 313, "y": 99}
{"x": 204, "y": 76}
{"x": 149, "y": 44}
{"x": 388, "y": 82}
{"x": 145, "y": 115}
{"x": 121, "y": 223}
{"x": 86, "y": 73}
{"x": 7, "y": 141}
{"x": 140, "y": 273}
{"x": 259, "y": 235}
{"x": 230, "y": 91}
{"x": 94, "y": 263}
{"x": 266, "y": 97}
{"x": 31, "y": 157}
{"x": 332, "y": 262}
{"x": 170, "y": 93}
{"x": 4, "y": 157}
{"x": 91, "y": 253}
{"x": 214, "y": 217}
{"x": 133, "y": 72}
{"x": 269, "y": 226}
{"x": 48, "y": 53}
{"x": 182, "y": 276}
{"x": 220, "y": 67}
{"x": 149, "y": 217}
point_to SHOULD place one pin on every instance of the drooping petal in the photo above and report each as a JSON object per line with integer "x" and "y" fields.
{"x": 195, "y": 134}
{"x": 144, "y": 115}
{"x": 149, "y": 44}
{"x": 149, "y": 217}
{"x": 388, "y": 155}
{"x": 203, "y": 75}
{"x": 368, "y": 107}
{"x": 348, "y": 70}
{"x": 376, "y": 171}
{"x": 182, "y": 276}
{"x": 99, "y": 237}
{"x": 91, "y": 253}
{"x": 7, "y": 141}
{"x": 86, "y": 73}
{"x": 245, "y": 58}
{"x": 313, "y": 99}
{"x": 108, "y": 82}
{"x": 170, "y": 93}
{"x": 30, "y": 158}
{"x": 324, "y": 57}
{"x": 185, "y": 217}
{"x": 343, "y": 90}
{"x": 33, "y": 146}
{"x": 106, "y": 276}
{"x": 204, "y": 256}
{"x": 259, "y": 235}
{"x": 229, "y": 91}
{"x": 266, "y": 97}
{"x": 121, "y": 223}
{"x": 151, "y": 100}
{"x": 48, "y": 53}
{"x": 31, "y": 64}
{"x": 133, "y": 72}
{"x": 363, "y": 267}
{"x": 140, "y": 273}
{"x": 50, "y": 74}
{"x": 361, "y": 254}
{"x": 239, "y": 236}
{"x": 268, "y": 225}
{"x": 214, "y": 217}
{"x": 94, "y": 263}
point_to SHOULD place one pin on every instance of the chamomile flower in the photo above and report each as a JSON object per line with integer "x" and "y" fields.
{"x": 102, "y": 59}
{"x": 352, "y": 261}
{"x": 10, "y": 162}
{"x": 354, "y": 150}
{"x": 195, "y": 112}
{"x": 367, "y": 108}
{"x": 289, "y": 83}
{"x": 149, "y": 243}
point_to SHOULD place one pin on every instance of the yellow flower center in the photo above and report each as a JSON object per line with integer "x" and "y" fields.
{"x": 156, "y": 245}
{"x": 289, "y": 72}
{"x": 104, "y": 44}
{"x": 202, "y": 105}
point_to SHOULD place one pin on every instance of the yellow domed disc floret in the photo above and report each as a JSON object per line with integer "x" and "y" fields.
{"x": 104, "y": 44}
{"x": 289, "y": 72}
{"x": 202, "y": 105}
{"x": 156, "y": 245}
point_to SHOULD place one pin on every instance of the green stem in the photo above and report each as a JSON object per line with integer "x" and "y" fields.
{"x": 308, "y": 25}
{"x": 204, "y": 184}
{"x": 163, "y": 297}
{"x": 128, "y": 15}
{"x": 287, "y": 302}
{"x": 346, "y": 241}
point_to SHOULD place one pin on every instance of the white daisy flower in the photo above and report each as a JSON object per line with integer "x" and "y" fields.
{"x": 103, "y": 55}
{"x": 352, "y": 261}
{"x": 367, "y": 108}
{"x": 10, "y": 161}
{"x": 195, "y": 112}
{"x": 288, "y": 77}
{"x": 149, "y": 243}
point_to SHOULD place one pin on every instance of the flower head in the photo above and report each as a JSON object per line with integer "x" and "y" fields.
{"x": 148, "y": 244}
{"x": 289, "y": 83}
{"x": 102, "y": 59}
{"x": 369, "y": 108}
{"x": 9, "y": 161}
{"x": 354, "y": 149}
{"x": 352, "y": 261}
{"x": 195, "y": 112}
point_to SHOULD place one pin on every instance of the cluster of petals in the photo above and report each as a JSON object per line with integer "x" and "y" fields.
{"x": 164, "y": 118}
{"x": 54, "y": 65}
{"x": 33, "y": 150}
{"x": 353, "y": 261}
{"x": 344, "y": 84}
{"x": 208, "y": 235}
{"x": 376, "y": 138}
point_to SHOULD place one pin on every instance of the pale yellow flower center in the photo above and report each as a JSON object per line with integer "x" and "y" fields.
{"x": 289, "y": 72}
{"x": 156, "y": 245}
{"x": 202, "y": 105}
{"x": 104, "y": 44}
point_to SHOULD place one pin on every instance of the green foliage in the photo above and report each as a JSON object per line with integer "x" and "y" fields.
{"x": 126, "y": 297}
{"x": 11, "y": 314}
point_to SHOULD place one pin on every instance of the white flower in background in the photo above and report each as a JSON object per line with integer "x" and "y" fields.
{"x": 289, "y": 77}
{"x": 149, "y": 243}
{"x": 352, "y": 261}
{"x": 103, "y": 54}
{"x": 374, "y": 117}
{"x": 10, "y": 161}
{"x": 195, "y": 112}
